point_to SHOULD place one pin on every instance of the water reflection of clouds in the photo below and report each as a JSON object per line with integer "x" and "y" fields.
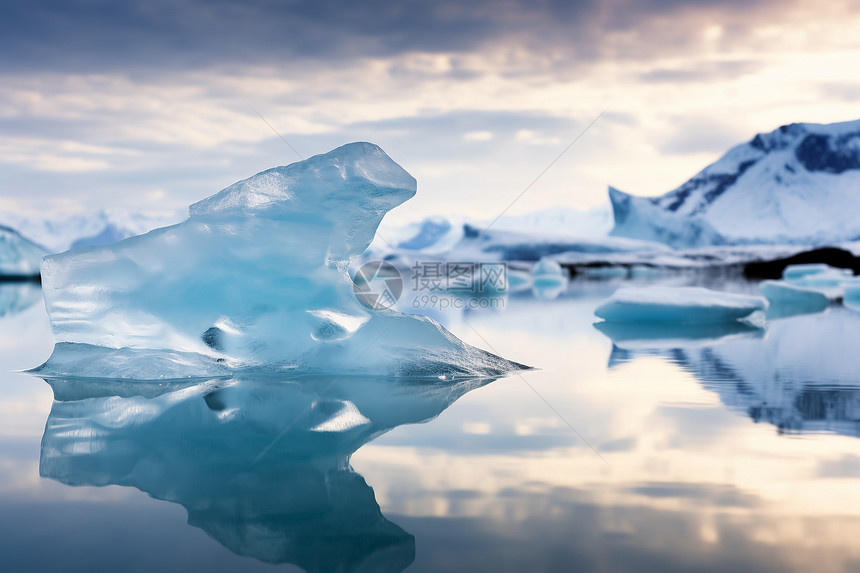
{"x": 686, "y": 477}
{"x": 801, "y": 376}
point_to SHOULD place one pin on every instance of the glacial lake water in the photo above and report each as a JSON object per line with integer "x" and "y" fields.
{"x": 719, "y": 449}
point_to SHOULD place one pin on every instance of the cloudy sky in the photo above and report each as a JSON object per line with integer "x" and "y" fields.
{"x": 150, "y": 105}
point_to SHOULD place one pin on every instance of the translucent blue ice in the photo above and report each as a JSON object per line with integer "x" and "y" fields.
{"x": 660, "y": 304}
{"x": 255, "y": 279}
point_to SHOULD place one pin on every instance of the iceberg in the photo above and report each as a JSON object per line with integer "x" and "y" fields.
{"x": 547, "y": 271}
{"x": 784, "y": 295}
{"x": 549, "y": 279}
{"x": 827, "y": 280}
{"x": 661, "y": 304}
{"x": 18, "y": 256}
{"x": 801, "y": 271}
{"x": 256, "y": 279}
{"x": 808, "y": 287}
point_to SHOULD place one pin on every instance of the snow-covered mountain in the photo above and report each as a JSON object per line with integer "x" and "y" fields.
{"x": 18, "y": 256}
{"x": 594, "y": 222}
{"x": 511, "y": 237}
{"x": 55, "y": 235}
{"x": 799, "y": 184}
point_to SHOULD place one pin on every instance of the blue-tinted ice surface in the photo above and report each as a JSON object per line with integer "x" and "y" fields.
{"x": 661, "y": 304}
{"x": 786, "y": 294}
{"x": 256, "y": 279}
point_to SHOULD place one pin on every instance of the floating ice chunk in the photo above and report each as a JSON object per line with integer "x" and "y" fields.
{"x": 784, "y": 296}
{"x": 819, "y": 277}
{"x": 549, "y": 279}
{"x": 851, "y": 296}
{"x": 547, "y": 268}
{"x": 255, "y": 279}
{"x": 822, "y": 278}
{"x": 795, "y": 272}
{"x": 548, "y": 273}
{"x": 678, "y": 305}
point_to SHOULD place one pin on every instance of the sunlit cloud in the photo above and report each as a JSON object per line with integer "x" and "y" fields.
{"x": 473, "y": 99}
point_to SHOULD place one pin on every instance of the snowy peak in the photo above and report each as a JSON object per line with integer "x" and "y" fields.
{"x": 18, "y": 256}
{"x": 56, "y": 235}
{"x": 797, "y": 184}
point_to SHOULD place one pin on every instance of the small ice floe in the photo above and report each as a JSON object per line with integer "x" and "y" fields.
{"x": 685, "y": 305}
{"x": 788, "y": 299}
{"x": 851, "y": 296}
{"x": 825, "y": 279}
{"x": 549, "y": 279}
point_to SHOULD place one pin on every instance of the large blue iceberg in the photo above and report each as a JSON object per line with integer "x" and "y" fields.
{"x": 257, "y": 280}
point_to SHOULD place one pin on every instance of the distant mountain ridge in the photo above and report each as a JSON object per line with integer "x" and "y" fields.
{"x": 18, "y": 256}
{"x": 797, "y": 184}
{"x": 55, "y": 235}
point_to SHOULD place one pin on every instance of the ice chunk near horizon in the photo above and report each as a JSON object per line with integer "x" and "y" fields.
{"x": 787, "y": 299}
{"x": 661, "y": 304}
{"x": 795, "y": 272}
{"x": 819, "y": 277}
{"x": 256, "y": 279}
{"x": 549, "y": 279}
{"x": 548, "y": 269}
{"x": 851, "y": 296}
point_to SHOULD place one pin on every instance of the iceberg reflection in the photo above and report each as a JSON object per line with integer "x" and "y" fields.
{"x": 802, "y": 375}
{"x": 260, "y": 464}
{"x": 17, "y": 297}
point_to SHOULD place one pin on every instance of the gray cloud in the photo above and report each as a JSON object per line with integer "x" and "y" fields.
{"x": 88, "y": 35}
{"x": 703, "y": 72}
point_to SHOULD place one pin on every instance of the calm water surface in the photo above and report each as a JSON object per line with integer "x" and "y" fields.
{"x": 725, "y": 449}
